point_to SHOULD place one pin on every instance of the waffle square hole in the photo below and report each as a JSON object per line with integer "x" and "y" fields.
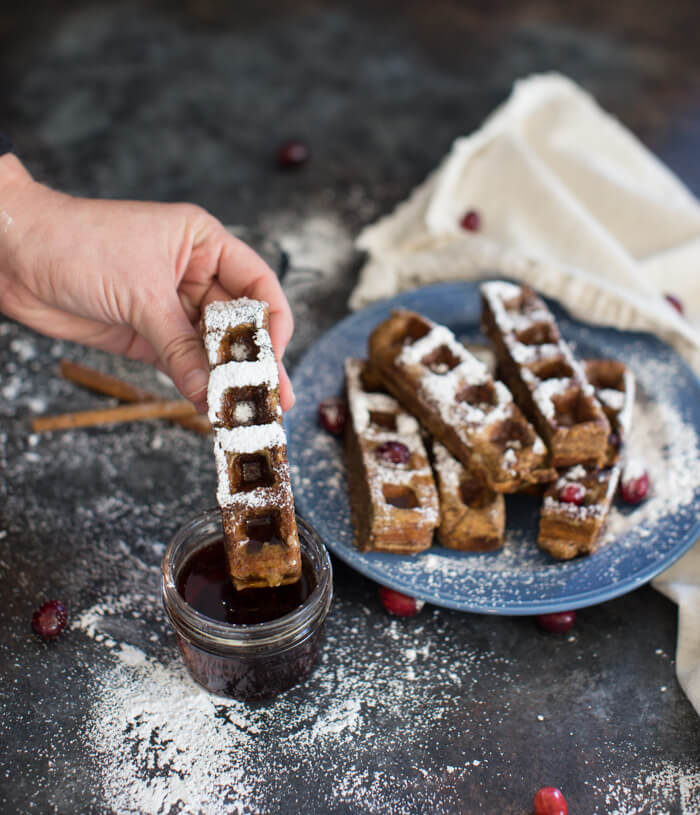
{"x": 557, "y": 368}
{"x": 441, "y": 360}
{"x": 238, "y": 345}
{"x": 263, "y": 528}
{"x": 386, "y": 421}
{"x": 525, "y": 303}
{"x": 473, "y": 494}
{"x": 244, "y": 406}
{"x": 400, "y": 496}
{"x": 478, "y": 395}
{"x": 607, "y": 374}
{"x": 249, "y": 471}
{"x": 510, "y": 433}
{"x": 413, "y": 330}
{"x": 538, "y": 334}
{"x": 573, "y": 407}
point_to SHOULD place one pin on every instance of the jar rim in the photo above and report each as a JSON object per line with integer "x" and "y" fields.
{"x": 212, "y": 634}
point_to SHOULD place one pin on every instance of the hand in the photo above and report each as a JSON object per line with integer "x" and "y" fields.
{"x": 127, "y": 277}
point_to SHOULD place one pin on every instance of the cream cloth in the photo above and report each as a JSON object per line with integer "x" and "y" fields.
{"x": 572, "y": 203}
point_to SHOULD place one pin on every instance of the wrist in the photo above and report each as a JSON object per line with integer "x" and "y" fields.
{"x": 17, "y": 189}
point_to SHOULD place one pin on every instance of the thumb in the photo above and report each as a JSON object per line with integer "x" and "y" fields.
{"x": 180, "y": 351}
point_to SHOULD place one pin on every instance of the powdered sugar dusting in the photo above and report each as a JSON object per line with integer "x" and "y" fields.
{"x": 162, "y": 744}
{"x": 221, "y": 314}
{"x": 669, "y": 781}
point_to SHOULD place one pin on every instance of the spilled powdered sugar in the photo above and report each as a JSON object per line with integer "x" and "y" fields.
{"x": 162, "y": 744}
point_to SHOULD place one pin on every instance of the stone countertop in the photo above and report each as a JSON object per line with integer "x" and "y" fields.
{"x": 443, "y": 713}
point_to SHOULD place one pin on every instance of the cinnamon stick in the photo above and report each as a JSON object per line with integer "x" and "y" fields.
{"x": 124, "y": 413}
{"x": 111, "y": 386}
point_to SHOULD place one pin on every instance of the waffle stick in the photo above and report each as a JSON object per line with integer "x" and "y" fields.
{"x": 393, "y": 499}
{"x": 546, "y": 380}
{"x": 472, "y": 516}
{"x": 455, "y": 397}
{"x": 254, "y": 490}
{"x": 568, "y": 529}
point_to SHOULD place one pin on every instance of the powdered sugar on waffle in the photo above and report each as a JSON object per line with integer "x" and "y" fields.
{"x": 218, "y": 320}
{"x": 544, "y": 392}
{"x": 378, "y": 471}
{"x": 510, "y": 322}
{"x": 440, "y": 388}
{"x": 612, "y": 398}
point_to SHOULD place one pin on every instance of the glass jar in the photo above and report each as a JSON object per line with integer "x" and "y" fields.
{"x": 246, "y": 662}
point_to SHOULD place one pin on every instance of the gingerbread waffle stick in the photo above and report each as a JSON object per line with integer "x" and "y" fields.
{"x": 250, "y": 447}
{"x": 576, "y": 506}
{"x": 543, "y": 375}
{"x": 393, "y": 500}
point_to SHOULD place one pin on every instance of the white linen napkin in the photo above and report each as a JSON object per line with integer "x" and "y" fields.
{"x": 572, "y": 203}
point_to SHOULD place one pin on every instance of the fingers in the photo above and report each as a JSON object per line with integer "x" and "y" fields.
{"x": 286, "y": 391}
{"x": 242, "y": 272}
{"x": 179, "y": 348}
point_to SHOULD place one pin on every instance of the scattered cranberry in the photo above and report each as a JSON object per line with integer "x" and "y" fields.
{"x": 635, "y": 489}
{"x": 558, "y": 623}
{"x": 394, "y": 452}
{"x": 400, "y": 605}
{"x": 550, "y": 801}
{"x": 292, "y": 154}
{"x": 50, "y": 619}
{"x": 572, "y": 494}
{"x": 332, "y": 414}
{"x": 471, "y": 221}
{"x": 675, "y": 302}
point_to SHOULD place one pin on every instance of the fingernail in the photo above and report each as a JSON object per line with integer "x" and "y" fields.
{"x": 195, "y": 382}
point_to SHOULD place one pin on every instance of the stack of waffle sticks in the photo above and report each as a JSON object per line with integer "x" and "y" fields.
{"x": 549, "y": 424}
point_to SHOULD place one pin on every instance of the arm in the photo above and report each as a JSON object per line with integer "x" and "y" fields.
{"x": 125, "y": 276}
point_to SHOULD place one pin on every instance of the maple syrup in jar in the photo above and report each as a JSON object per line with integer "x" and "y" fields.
{"x": 249, "y": 644}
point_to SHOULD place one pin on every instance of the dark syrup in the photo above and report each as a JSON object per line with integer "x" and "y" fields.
{"x": 205, "y": 584}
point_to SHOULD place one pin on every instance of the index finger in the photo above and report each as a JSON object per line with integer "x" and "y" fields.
{"x": 243, "y": 273}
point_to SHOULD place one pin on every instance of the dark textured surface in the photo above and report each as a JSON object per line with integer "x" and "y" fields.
{"x": 152, "y": 102}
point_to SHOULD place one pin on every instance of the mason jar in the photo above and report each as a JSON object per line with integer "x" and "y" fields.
{"x": 246, "y": 662}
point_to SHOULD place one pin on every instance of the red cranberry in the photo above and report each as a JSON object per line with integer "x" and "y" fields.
{"x": 675, "y": 302}
{"x": 558, "y": 623}
{"x": 550, "y": 801}
{"x": 292, "y": 154}
{"x": 332, "y": 414}
{"x": 50, "y": 619}
{"x": 471, "y": 221}
{"x": 400, "y": 605}
{"x": 572, "y": 494}
{"x": 633, "y": 490}
{"x": 394, "y": 452}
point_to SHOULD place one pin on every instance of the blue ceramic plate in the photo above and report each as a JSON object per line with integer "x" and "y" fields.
{"x": 519, "y": 579}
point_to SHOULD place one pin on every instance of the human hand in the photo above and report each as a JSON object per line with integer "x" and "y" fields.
{"x": 127, "y": 277}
